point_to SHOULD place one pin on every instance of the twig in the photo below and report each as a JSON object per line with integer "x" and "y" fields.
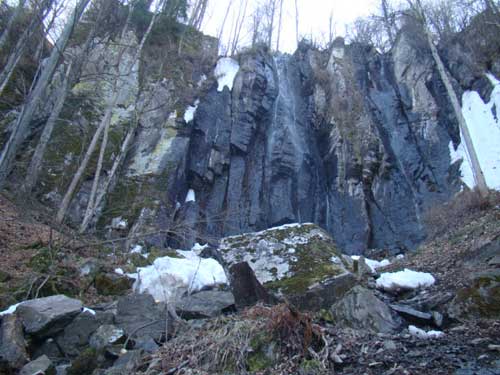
{"x": 41, "y": 285}
{"x": 175, "y": 369}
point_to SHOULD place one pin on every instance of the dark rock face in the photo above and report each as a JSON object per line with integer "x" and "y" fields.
{"x": 354, "y": 141}
{"x": 13, "y": 354}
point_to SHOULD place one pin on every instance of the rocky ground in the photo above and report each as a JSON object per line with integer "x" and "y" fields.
{"x": 354, "y": 324}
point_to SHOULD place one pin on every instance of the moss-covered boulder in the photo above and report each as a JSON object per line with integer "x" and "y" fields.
{"x": 298, "y": 261}
{"x": 481, "y": 298}
{"x": 111, "y": 284}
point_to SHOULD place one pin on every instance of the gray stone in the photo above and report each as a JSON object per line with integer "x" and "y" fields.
{"x": 47, "y": 316}
{"x": 412, "y": 315}
{"x": 361, "y": 309}
{"x": 204, "y": 304}
{"x": 76, "y": 335}
{"x": 126, "y": 364}
{"x": 40, "y": 366}
{"x": 48, "y": 348}
{"x": 13, "y": 353}
{"x": 106, "y": 335}
{"x": 141, "y": 317}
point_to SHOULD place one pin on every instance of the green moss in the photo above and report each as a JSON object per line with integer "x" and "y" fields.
{"x": 262, "y": 355}
{"x": 42, "y": 260}
{"x": 326, "y": 315}
{"x": 112, "y": 285}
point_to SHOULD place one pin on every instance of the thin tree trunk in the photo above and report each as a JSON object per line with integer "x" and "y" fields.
{"x": 219, "y": 36}
{"x": 271, "y": 25}
{"x": 387, "y": 23}
{"x": 297, "y": 21}
{"x": 279, "y": 26}
{"x": 21, "y": 128}
{"x": 36, "y": 161}
{"x": 476, "y": 167}
{"x": 238, "y": 31}
{"x": 91, "y": 205}
{"x": 6, "y": 31}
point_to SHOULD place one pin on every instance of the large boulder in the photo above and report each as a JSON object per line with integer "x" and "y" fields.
{"x": 13, "y": 353}
{"x": 298, "y": 261}
{"x": 41, "y": 365}
{"x": 43, "y": 317}
{"x": 141, "y": 317}
{"x": 205, "y": 304}
{"x": 361, "y": 309}
{"x": 76, "y": 335}
{"x": 481, "y": 298}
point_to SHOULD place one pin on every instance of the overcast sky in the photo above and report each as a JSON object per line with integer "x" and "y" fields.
{"x": 313, "y": 17}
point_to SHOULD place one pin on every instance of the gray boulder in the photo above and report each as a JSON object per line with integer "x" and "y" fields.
{"x": 13, "y": 353}
{"x": 105, "y": 335}
{"x": 140, "y": 317}
{"x": 43, "y": 317}
{"x": 361, "y": 309}
{"x": 40, "y": 366}
{"x": 76, "y": 335}
{"x": 205, "y": 304}
{"x": 412, "y": 315}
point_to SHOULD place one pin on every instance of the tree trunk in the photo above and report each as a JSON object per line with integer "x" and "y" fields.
{"x": 91, "y": 205}
{"x": 6, "y": 31}
{"x": 219, "y": 36}
{"x": 387, "y": 22}
{"x": 238, "y": 29}
{"x": 36, "y": 160}
{"x": 464, "y": 130}
{"x": 279, "y": 26}
{"x": 297, "y": 21}
{"x": 21, "y": 127}
{"x": 271, "y": 24}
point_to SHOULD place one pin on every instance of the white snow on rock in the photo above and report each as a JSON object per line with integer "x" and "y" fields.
{"x": 90, "y": 311}
{"x": 373, "y": 264}
{"x": 407, "y": 279}
{"x": 190, "y": 111}
{"x": 11, "y": 310}
{"x": 190, "y": 196}
{"x": 484, "y": 127}
{"x": 168, "y": 278}
{"x": 119, "y": 271}
{"x": 421, "y": 334}
{"x": 197, "y": 248}
{"x": 225, "y": 72}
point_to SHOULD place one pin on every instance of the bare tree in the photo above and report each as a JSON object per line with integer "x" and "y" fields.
{"x": 279, "y": 26}
{"x": 103, "y": 127}
{"x": 388, "y": 20}
{"x": 297, "y": 21}
{"x": 15, "y": 15}
{"x": 452, "y": 96}
{"x": 271, "y": 10}
{"x": 238, "y": 26}
{"x": 222, "y": 26}
{"x": 21, "y": 127}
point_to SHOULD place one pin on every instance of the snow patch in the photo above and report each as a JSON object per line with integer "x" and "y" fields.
{"x": 190, "y": 196}
{"x": 373, "y": 264}
{"x": 484, "y": 127}
{"x": 406, "y": 279}
{"x": 421, "y": 334}
{"x": 225, "y": 72}
{"x": 168, "y": 278}
{"x": 119, "y": 271}
{"x": 190, "y": 111}
{"x": 86, "y": 309}
{"x": 197, "y": 248}
{"x": 11, "y": 310}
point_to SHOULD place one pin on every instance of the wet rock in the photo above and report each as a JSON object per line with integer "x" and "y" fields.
{"x": 481, "y": 298}
{"x": 412, "y": 315}
{"x": 76, "y": 335}
{"x": 361, "y": 309}
{"x": 298, "y": 261}
{"x": 13, "y": 353}
{"x": 106, "y": 335}
{"x": 112, "y": 284}
{"x": 247, "y": 290}
{"x": 126, "y": 364}
{"x": 205, "y": 304}
{"x": 140, "y": 317}
{"x": 48, "y": 348}
{"x": 40, "y": 366}
{"x": 47, "y": 316}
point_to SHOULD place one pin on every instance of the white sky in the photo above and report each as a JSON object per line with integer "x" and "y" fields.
{"x": 313, "y": 18}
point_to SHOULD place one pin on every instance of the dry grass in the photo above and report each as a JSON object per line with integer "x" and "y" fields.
{"x": 441, "y": 219}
